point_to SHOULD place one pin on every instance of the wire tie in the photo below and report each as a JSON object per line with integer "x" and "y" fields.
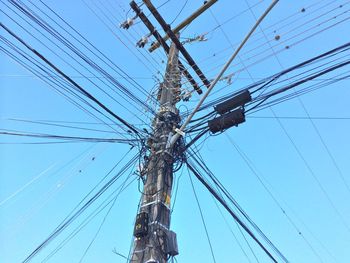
{"x": 177, "y": 130}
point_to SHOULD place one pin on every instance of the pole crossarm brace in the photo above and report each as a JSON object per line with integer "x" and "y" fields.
{"x": 218, "y": 77}
{"x": 166, "y": 47}
{"x": 177, "y": 42}
{"x": 184, "y": 23}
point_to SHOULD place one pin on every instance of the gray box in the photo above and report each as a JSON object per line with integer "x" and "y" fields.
{"x": 171, "y": 245}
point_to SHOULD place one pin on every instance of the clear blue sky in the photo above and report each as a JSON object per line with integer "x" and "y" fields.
{"x": 303, "y": 162}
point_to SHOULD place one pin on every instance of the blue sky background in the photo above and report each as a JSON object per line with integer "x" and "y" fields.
{"x": 41, "y": 184}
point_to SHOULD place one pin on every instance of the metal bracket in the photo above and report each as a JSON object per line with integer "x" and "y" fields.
{"x": 182, "y": 133}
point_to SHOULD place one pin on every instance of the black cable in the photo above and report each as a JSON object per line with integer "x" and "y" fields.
{"x": 76, "y": 51}
{"x": 105, "y": 217}
{"x": 290, "y": 45}
{"x": 87, "y": 94}
{"x": 232, "y": 233}
{"x": 127, "y": 76}
{"x": 229, "y": 210}
{"x": 69, "y": 220}
{"x": 37, "y": 19}
{"x": 182, "y": 8}
{"x": 57, "y": 82}
{"x": 65, "y": 138}
{"x": 202, "y": 217}
{"x": 198, "y": 155}
{"x": 267, "y": 82}
{"x": 234, "y": 202}
{"x": 196, "y": 138}
{"x": 59, "y": 125}
{"x": 89, "y": 218}
{"x": 289, "y": 219}
{"x": 288, "y": 87}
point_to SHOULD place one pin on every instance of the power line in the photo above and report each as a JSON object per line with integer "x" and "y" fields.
{"x": 227, "y": 194}
{"x": 109, "y": 200}
{"x": 299, "y": 118}
{"x": 202, "y": 217}
{"x": 288, "y": 46}
{"x": 104, "y": 58}
{"x": 237, "y": 219}
{"x": 311, "y": 121}
{"x": 231, "y": 231}
{"x": 47, "y": 27}
{"x": 123, "y": 186}
{"x": 87, "y": 94}
{"x": 293, "y": 224}
{"x": 58, "y": 85}
{"x": 69, "y": 220}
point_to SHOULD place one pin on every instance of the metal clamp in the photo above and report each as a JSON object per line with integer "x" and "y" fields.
{"x": 182, "y": 133}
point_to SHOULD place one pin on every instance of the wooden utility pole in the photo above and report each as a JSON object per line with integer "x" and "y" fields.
{"x": 157, "y": 36}
{"x": 186, "y": 22}
{"x": 176, "y": 40}
{"x": 154, "y": 242}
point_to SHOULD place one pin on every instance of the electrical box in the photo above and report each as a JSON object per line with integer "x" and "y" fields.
{"x": 171, "y": 244}
{"x": 226, "y": 121}
{"x": 237, "y": 101}
{"x": 141, "y": 225}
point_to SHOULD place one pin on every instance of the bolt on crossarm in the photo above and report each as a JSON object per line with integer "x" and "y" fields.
{"x": 154, "y": 241}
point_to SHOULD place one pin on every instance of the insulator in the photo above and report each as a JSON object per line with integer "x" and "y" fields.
{"x": 186, "y": 96}
{"x": 128, "y": 23}
{"x": 142, "y": 42}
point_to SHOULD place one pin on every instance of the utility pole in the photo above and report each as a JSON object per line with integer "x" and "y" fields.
{"x": 154, "y": 241}
{"x": 186, "y": 22}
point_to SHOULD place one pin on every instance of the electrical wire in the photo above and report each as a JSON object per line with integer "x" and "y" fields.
{"x": 86, "y": 93}
{"x": 284, "y": 212}
{"x": 310, "y": 120}
{"x": 65, "y": 138}
{"x": 213, "y": 192}
{"x": 64, "y": 224}
{"x": 202, "y": 216}
{"x": 37, "y": 19}
{"x": 123, "y": 186}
